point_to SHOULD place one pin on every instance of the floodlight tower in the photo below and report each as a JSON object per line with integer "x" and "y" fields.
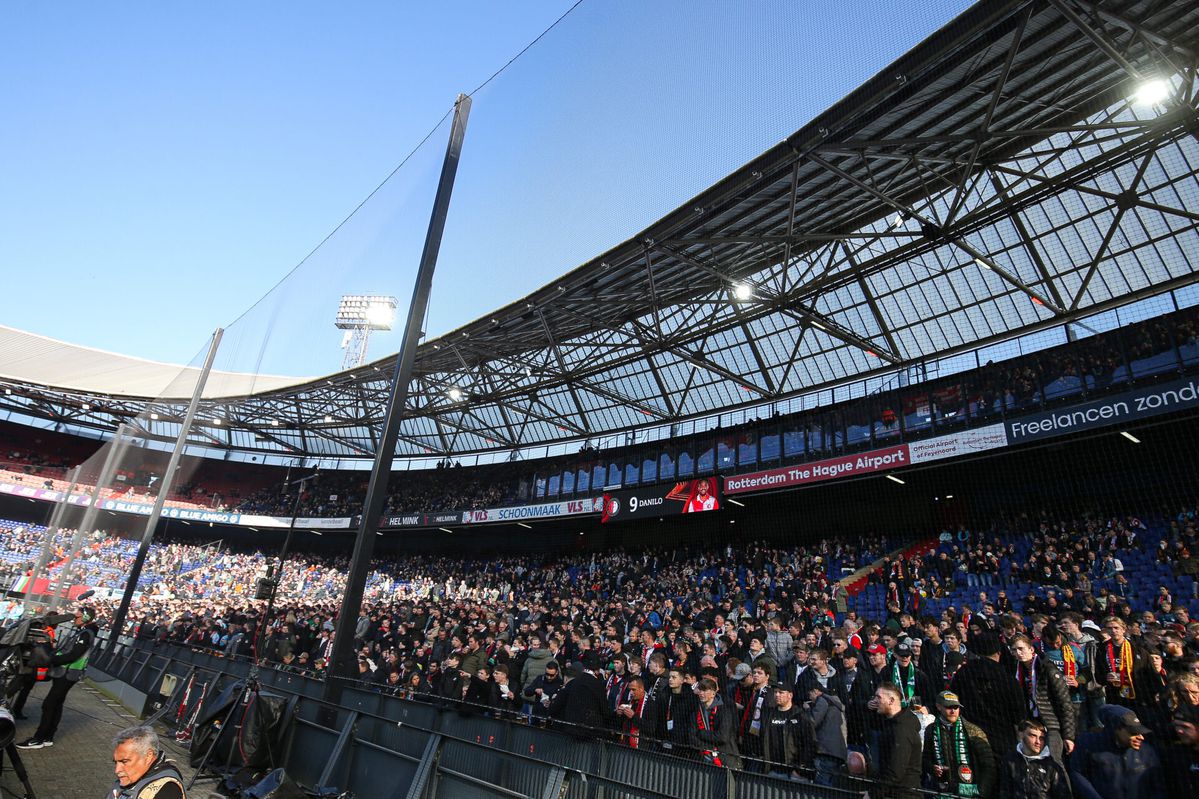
{"x": 358, "y": 315}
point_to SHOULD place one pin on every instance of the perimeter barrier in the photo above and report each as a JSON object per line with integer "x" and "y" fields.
{"x": 375, "y": 744}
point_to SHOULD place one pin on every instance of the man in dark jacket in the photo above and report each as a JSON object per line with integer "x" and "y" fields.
{"x": 957, "y": 757}
{"x": 581, "y": 705}
{"x": 715, "y": 727}
{"x": 1029, "y": 772}
{"x": 542, "y": 689}
{"x": 674, "y": 716}
{"x": 990, "y": 695}
{"x": 1116, "y": 762}
{"x": 1046, "y": 696}
{"x": 899, "y": 744}
{"x": 827, "y": 713}
{"x": 788, "y": 740}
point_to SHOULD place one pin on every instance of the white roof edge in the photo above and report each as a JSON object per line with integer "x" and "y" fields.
{"x": 40, "y": 360}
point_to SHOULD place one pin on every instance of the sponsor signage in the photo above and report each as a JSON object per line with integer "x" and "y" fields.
{"x": 964, "y": 442}
{"x": 549, "y": 510}
{"x": 819, "y": 471}
{"x": 664, "y": 499}
{"x": 187, "y": 514}
{"x": 1129, "y": 406}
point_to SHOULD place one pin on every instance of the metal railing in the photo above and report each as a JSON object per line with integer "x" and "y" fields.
{"x": 375, "y": 744}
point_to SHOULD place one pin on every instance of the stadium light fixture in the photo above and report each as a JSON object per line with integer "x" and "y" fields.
{"x": 445, "y": 529}
{"x": 454, "y": 394}
{"x": 154, "y": 417}
{"x": 895, "y": 479}
{"x": 86, "y": 407}
{"x": 526, "y": 526}
{"x": 983, "y": 264}
{"x": 743, "y": 291}
{"x": 735, "y": 502}
{"x": 216, "y": 422}
{"x": 318, "y": 532}
{"x": 1153, "y": 91}
{"x": 328, "y": 419}
{"x": 1130, "y": 437}
{"x": 274, "y": 422}
{"x": 949, "y": 496}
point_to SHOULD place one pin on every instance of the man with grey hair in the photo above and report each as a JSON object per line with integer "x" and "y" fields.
{"x": 142, "y": 770}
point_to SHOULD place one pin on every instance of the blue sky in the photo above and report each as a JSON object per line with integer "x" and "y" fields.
{"x": 164, "y": 165}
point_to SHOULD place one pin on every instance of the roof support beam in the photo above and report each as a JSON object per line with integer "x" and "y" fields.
{"x": 1098, "y": 38}
{"x": 1030, "y": 246}
{"x": 1121, "y": 207}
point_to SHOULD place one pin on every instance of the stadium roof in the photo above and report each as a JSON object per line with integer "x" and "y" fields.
{"x": 997, "y": 178}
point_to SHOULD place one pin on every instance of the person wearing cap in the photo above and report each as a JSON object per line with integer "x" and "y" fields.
{"x": 739, "y": 685}
{"x": 1182, "y": 756}
{"x": 957, "y": 756}
{"x": 857, "y": 689}
{"x": 581, "y": 705}
{"x": 913, "y": 683}
{"x": 1028, "y": 772}
{"x": 788, "y": 740}
{"x": 827, "y": 714}
{"x": 990, "y": 696}
{"x": 1117, "y": 762}
{"x": 67, "y": 667}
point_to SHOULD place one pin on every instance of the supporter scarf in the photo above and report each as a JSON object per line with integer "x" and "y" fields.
{"x": 907, "y": 685}
{"x": 1069, "y": 664}
{"x": 1122, "y": 665}
{"x": 965, "y": 774}
{"x": 754, "y": 726}
{"x": 706, "y": 721}
{"x": 1027, "y": 677}
{"x": 632, "y": 737}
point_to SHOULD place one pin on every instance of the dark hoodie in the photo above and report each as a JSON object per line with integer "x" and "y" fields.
{"x": 1102, "y": 769}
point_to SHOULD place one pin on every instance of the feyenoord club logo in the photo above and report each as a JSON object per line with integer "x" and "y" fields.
{"x": 613, "y": 506}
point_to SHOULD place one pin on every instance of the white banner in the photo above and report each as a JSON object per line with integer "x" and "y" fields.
{"x": 963, "y": 442}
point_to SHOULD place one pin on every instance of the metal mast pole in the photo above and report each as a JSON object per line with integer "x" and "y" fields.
{"x": 344, "y": 663}
{"x": 115, "y": 453}
{"x": 168, "y": 480}
{"x": 43, "y": 558}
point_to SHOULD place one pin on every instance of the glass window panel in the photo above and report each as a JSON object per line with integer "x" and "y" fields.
{"x": 770, "y": 447}
{"x": 631, "y": 473}
{"x": 686, "y": 463}
{"x": 649, "y": 468}
{"x": 554, "y": 484}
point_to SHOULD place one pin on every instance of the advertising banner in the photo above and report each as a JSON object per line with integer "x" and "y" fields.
{"x": 187, "y": 514}
{"x": 964, "y": 442}
{"x": 664, "y": 499}
{"x": 1117, "y": 409}
{"x": 549, "y": 510}
{"x": 819, "y": 471}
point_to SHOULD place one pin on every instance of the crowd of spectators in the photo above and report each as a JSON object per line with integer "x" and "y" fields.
{"x": 755, "y": 656}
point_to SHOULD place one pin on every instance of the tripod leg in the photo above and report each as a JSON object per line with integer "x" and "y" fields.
{"x": 19, "y": 769}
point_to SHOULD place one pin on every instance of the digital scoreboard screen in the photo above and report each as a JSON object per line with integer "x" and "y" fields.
{"x": 664, "y": 499}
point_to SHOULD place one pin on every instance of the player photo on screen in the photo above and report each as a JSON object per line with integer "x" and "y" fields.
{"x": 702, "y": 497}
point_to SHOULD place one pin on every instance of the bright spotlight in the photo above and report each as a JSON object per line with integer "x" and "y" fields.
{"x": 455, "y": 393}
{"x": 743, "y": 291}
{"x": 380, "y": 315}
{"x": 1152, "y": 92}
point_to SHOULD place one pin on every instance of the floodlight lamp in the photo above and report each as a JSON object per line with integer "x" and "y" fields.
{"x": 455, "y": 394}
{"x": 154, "y": 417}
{"x": 380, "y": 315}
{"x": 743, "y": 291}
{"x": 1153, "y": 91}
{"x": 86, "y": 407}
{"x": 328, "y": 419}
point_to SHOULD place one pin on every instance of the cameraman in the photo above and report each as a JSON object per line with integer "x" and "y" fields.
{"x": 67, "y": 667}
